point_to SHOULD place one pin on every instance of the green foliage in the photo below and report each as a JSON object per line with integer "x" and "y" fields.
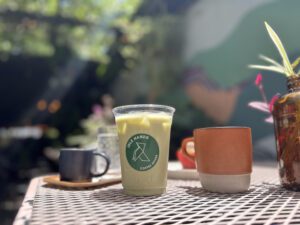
{"x": 41, "y": 27}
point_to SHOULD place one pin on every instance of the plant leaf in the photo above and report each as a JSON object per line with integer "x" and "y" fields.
{"x": 270, "y": 68}
{"x": 287, "y": 70}
{"x": 296, "y": 63}
{"x": 269, "y": 119}
{"x": 280, "y": 49}
{"x": 272, "y": 61}
{"x": 261, "y": 106}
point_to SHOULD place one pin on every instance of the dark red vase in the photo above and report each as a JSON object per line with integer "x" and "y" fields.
{"x": 286, "y": 114}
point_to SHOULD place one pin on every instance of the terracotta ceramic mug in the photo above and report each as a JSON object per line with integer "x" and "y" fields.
{"x": 223, "y": 158}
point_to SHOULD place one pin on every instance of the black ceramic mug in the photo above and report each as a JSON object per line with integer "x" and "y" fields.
{"x": 76, "y": 164}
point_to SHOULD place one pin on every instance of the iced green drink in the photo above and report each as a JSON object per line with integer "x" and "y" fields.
{"x": 144, "y": 137}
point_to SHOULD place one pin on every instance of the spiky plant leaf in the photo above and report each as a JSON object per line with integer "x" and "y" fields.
{"x": 262, "y": 106}
{"x": 280, "y": 49}
{"x": 269, "y": 119}
{"x": 272, "y": 61}
{"x": 296, "y": 63}
{"x": 269, "y": 68}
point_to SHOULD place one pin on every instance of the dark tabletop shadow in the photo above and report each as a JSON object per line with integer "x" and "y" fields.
{"x": 118, "y": 196}
{"x": 264, "y": 190}
{"x": 201, "y": 192}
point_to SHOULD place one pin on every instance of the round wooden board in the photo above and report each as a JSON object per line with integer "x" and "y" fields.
{"x": 105, "y": 180}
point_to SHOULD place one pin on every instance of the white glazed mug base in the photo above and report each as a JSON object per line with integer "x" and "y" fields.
{"x": 225, "y": 183}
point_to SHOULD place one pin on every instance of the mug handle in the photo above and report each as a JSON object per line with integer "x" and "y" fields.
{"x": 184, "y": 148}
{"x": 107, "y": 160}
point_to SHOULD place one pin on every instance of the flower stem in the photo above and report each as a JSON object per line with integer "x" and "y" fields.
{"x": 263, "y": 94}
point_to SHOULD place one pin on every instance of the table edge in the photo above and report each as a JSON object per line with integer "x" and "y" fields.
{"x": 24, "y": 213}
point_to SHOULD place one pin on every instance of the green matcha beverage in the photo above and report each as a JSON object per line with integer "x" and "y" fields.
{"x": 144, "y": 137}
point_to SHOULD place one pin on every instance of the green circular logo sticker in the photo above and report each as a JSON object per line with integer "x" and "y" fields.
{"x": 142, "y": 152}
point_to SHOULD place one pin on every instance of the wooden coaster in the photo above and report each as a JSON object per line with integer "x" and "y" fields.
{"x": 108, "y": 179}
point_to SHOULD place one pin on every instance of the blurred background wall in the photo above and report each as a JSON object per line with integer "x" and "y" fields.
{"x": 65, "y": 63}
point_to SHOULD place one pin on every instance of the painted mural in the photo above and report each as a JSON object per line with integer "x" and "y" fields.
{"x": 197, "y": 61}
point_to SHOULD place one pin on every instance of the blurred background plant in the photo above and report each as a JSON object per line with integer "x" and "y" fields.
{"x": 100, "y": 118}
{"x": 44, "y": 27}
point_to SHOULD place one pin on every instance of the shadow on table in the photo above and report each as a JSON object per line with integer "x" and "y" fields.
{"x": 118, "y": 196}
{"x": 264, "y": 190}
{"x": 201, "y": 192}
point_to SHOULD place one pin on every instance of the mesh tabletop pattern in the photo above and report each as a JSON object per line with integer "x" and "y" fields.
{"x": 184, "y": 203}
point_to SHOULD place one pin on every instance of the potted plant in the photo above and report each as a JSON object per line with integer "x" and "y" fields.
{"x": 286, "y": 116}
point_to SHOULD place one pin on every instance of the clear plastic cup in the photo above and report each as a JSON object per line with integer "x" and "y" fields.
{"x": 144, "y": 138}
{"x": 108, "y": 143}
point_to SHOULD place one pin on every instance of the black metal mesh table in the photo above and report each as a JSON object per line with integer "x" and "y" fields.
{"x": 184, "y": 203}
